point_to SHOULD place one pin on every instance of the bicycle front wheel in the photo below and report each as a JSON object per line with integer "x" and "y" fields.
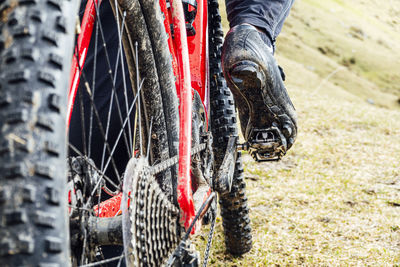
{"x": 125, "y": 107}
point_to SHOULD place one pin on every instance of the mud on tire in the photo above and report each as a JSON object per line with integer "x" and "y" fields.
{"x": 234, "y": 208}
{"x": 33, "y": 71}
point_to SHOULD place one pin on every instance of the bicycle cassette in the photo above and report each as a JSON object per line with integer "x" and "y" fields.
{"x": 151, "y": 222}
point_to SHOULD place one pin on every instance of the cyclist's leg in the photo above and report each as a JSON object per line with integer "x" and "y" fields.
{"x": 266, "y": 15}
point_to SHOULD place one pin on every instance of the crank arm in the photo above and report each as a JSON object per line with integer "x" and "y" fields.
{"x": 223, "y": 180}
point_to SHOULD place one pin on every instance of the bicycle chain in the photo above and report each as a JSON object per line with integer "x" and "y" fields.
{"x": 210, "y": 236}
{"x": 174, "y": 160}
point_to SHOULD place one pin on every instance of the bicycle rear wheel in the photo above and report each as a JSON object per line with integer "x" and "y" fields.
{"x": 138, "y": 121}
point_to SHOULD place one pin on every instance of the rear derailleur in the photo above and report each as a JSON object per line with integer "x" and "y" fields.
{"x": 185, "y": 255}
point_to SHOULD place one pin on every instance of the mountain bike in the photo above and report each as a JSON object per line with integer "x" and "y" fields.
{"x": 131, "y": 196}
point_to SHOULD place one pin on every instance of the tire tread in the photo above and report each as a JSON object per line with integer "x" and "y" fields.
{"x": 33, "y": 217}
{"x": 234, "y": 207}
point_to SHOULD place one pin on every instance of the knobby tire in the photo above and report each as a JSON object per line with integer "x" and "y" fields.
{"x": 234, "y": 207}
{"x": 36, "y": 48}
{"x": 33, "y": 100}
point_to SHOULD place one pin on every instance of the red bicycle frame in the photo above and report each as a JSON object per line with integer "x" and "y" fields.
{"x": 190, "y": 66}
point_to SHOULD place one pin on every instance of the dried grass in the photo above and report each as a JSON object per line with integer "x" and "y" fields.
{"x": 334, "y": 199}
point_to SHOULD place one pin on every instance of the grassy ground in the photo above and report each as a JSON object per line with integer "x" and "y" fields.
{"x": 334, "y": 200}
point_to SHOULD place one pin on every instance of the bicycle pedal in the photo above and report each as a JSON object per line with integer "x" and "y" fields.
{"x": 223, "y": 179}
{"x": 266, "y": 144}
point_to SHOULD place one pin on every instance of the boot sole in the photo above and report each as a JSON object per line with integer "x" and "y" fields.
{"x": 250, "y": 83}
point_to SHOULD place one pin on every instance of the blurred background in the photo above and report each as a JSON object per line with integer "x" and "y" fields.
{"x": 334, "y": 200}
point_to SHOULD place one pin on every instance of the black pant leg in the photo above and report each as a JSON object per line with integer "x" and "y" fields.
{"x": 268, "y": 15}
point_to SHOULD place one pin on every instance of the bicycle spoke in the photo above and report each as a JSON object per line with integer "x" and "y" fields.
{"x": 149, "y": 138}
{"x": 137, "y": 98}
{"x": 137, "y": 120}
{"x": 135, "y": 128}
{"x": 100, "y": 124}
{"x": 129, "y": 151}
{"x": 120, "y": 31}
{"x": 115, "y": 145}
{"x": 94, "y": 90}
{"x": 110, "y": 72}
{"x": 84, "y": 246}
{"x": 82, "y": 112}
{"x": 103, "y": 261}
{"x": 120, "y": 260}
{"x": 89, "y": 92}
{"x": 100, "y": 251}
{"x": 81, "y": 106}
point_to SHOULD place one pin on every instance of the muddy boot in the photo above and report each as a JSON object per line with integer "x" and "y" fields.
{"x": 267, "y": 115}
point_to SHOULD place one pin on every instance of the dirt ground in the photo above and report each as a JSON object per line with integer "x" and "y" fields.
{"x": 334, "y": 200}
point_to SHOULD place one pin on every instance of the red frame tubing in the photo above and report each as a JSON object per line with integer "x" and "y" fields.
{"x": 171, "y": 46}
{"x": 190, "y": 57}
{"x": 89, "y": 17}
{"x": 184, "y": 190}
{"x": 199, "y": 72}
{"x": 198, "y": 54}
{"x": 109, "y": 208}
